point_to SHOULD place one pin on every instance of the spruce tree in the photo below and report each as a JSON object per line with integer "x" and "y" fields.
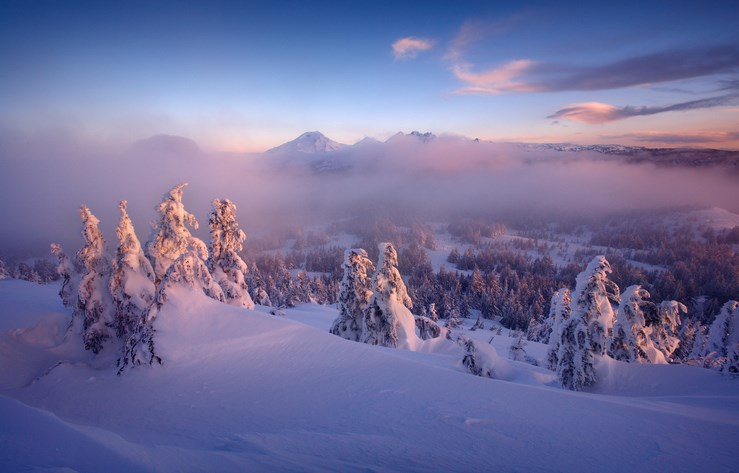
{"x": 559, "y": 313}
{"x": 170, "y": 237}
{"x": 132, "y": 280}
{"x": 354, "y": 294}
{"x": 68, "y": 274}
{"x": 631, "y": 337}
{"x": 585, "y": 335}
{"x": 225, "y": 263}
{"x": 722, "y": 340}
{"x": 387, "y": 320}
{"x": 94, "y": 304}
{"x": 666, "y": 328}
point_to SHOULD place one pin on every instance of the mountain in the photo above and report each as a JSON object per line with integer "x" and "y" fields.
{"x": 423, "y": 137}
{"x": 308, "y": 143}
{"x": 691, "y": 157}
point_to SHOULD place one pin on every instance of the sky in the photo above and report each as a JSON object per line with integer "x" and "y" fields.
{"x": 247, "y": 76}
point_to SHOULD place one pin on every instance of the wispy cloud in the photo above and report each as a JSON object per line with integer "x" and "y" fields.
{"x": 409, "y": 47}
{"x": 493, "y": 81}
{"x": 597, "y": 113}
{"x": 660, "y": 67}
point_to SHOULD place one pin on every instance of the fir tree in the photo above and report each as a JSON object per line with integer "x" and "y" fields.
{"x": 170, "y": 237}
{"x": 188, "y": 271}
{"x": 4, "y": 274}
{"x": 132, "y": 280}
{"x": 631, "y": 337}
{"x": 559, "y": 313}
{"x": 387, "y": 320}
{"x": 66, "y": 271}
{"x": 585, "y": 335}
{"x": 225, "y": 263}
{"x": 354, "y": 295}
{"x": 94, "y": 304}
{"x": 723, "y": 338}
{"x": 665, "y": 329}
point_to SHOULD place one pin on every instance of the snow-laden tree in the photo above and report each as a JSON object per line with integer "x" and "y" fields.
{"x": 66, "y": 271}
{"x": 132, "y": 279}
{"x": 354, "y": 294}
{"x": 666, "y": 328}
{"x": 4, "y": 274}
{"x": 559, "y": 313}
{"x": 387, "y": 320}
{"x": 631, "y": 340}
{"x": 189, "y": 272}
{"x": 94, "y": 304}
{"x": 225, "y": 263}
{"x": 428, "y": 329}
{"x": 722, "y": 340}
{"x": 170, "y": 237}
{"x": 585, "y": 335}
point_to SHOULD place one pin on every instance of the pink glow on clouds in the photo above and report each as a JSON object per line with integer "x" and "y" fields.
{"x": 409, "y": 47}
{"x": 593, "y": 113}
{"x": 497, "y": 80}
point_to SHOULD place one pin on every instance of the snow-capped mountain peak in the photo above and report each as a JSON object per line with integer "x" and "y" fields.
{"x": 309, "y": 143}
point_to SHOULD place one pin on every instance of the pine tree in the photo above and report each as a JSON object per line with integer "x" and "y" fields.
{"x": 66, "y": 271}
{"x": 723, "y": 338}
{"x": 187, "y": 271}
{"x": 354, "y": 295}
{"x": 387, "y": 320}
{"x": 225, "y": 263}
{"x": 631, "y": 337}
{"x": 170, "y": 237}
{"x": 665, "y": 329}
{"x": 132, "y": 280}
{"x": 4, "y": 274}
{"x": 559, "y": 313}
{"x": 94, "y": 304}
{"x": 585, "y": 335}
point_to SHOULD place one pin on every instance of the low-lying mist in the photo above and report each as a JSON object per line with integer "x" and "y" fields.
{"x": 45, "y": 180}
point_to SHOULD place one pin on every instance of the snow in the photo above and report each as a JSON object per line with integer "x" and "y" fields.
{"x": 243, "y": 390}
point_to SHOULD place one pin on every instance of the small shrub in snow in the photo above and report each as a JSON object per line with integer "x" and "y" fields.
{"x": 475, "y": 361}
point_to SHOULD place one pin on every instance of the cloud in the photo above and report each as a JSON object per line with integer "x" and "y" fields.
{"x": 664, "y": 66}
{"x": 408, "y": 48}
{"x": 685, "y": 138}
{"x": 596, "y": 113}
{"x": 497, "y": 80}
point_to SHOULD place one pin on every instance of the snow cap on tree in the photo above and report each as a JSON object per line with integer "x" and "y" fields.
{"x": 170, "y": 237}
{"x": 225, "y": 263}
{"x": 354, "y": 294}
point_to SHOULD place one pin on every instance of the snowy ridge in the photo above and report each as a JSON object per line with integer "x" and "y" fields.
{"x": 243, "y": 390}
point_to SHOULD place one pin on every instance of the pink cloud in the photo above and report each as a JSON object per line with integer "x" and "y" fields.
{"x": 409, "y": 47}
{"x": 496, "y": 80}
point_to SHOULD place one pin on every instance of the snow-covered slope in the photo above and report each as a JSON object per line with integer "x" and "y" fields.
{"x": 245, "y": 391}
{"x": 309, "y": 143}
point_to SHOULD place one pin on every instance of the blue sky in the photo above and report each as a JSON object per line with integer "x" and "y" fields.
{"x": 246, "y": 76}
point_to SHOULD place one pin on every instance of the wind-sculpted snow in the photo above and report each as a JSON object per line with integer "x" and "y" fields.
{"x": 247, "y": 391}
